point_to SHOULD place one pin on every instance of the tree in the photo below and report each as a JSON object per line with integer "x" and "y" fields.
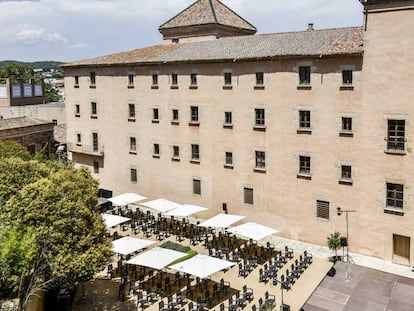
{"x": 51, "y": 94}
{"x": 15, "y": 72}
{"x": 50, "y": 211}
{"x": 12, "y": 149}
{"x": 334, "y": 242}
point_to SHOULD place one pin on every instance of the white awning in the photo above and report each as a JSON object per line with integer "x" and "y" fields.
{"x": 156, "y": 258}
{"x": 161, "y": 205}
{"x": 252, "y": 230}
{"x": 185, "y": 210}
{"x": 202, "y": 265}
{"x": 221, "y": 221}
{"x": 113, "y": 220}
{"x": 126, "y": 198}
{"x": 128, "y": 245}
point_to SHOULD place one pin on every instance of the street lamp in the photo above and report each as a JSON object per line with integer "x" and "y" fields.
{"x": 339, "y": 212}
{"x": 283, "y": 307}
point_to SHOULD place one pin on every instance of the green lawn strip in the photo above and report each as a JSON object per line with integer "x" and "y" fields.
{"x": 190, "y": 253}
{"x": 179, "y": 248}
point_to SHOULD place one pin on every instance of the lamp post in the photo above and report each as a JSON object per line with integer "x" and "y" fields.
{"x": 339, "y": 212}
{"x": 283, "y": 307}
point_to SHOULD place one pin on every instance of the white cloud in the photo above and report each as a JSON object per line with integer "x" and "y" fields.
{"x": 38, "y": 37}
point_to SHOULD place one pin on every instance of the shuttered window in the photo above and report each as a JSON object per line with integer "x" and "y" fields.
{"x": 322, "y": 209}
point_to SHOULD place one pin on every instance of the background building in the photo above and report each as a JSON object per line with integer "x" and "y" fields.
{"x": 283, "y": 128}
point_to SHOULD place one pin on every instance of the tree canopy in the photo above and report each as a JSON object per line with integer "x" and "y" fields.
{"x": 51, "y": 232}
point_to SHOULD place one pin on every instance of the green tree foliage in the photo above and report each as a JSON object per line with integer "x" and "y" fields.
{"x": 51, "y": 94}
{"x": 51, "y": 231}
{"x": 334, "y": 242}
{"x": 15, "y": 72}
{"x": 12, "y": 149}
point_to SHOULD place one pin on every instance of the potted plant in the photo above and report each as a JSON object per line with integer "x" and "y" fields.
{"x": 334, "y": 242}
{"x": 267, "y": 306}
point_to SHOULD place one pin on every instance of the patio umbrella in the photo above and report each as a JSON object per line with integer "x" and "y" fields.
{"x": 126, "y": 198}
{"x": 185, "y": 210}
{"x": 113, "y": 220}
{"x": 221, "y": 221}
{"x": 162, "y": 205}
{"x": 202, "y": 265}
{"x": 128, "y": 245}
{"x": 156, "y": 258}
{"x": 252, "y": 230}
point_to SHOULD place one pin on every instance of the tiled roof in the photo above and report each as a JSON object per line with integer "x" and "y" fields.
{"x": 207, "y": 12}
{"x": 338, "y": 41}
{"x": 10, "y": 123}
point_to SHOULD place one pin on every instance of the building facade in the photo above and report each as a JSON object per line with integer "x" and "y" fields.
{"x": 283, "y": 128}
{"x": 20, "y": 93}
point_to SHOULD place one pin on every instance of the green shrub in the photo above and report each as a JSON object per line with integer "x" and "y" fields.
{"x": 175, "y": 246}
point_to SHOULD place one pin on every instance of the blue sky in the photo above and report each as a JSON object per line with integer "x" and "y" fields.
{"x": 68, "y": 30}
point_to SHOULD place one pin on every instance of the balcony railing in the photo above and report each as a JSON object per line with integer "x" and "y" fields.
{"x": 86, "y": 149}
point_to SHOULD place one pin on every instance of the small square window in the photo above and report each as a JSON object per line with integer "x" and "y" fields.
{"x": 347, "y": 77}
{"x": 228, "y": 158}
{"x": 304, "y": 119}
{"x": 248, "y": 196}
{"x": 395, "y": 196}
{"x": 346, "y": 124}
{"x": 195, "y": 152}
{"x": 134, "y": 177}
{"x": 304, "y": 165}
{"x": 304, "y": 75}
{"x": 322, "y": 209}
{"x": 193, "y": 79}
{"x": 346, "y": 172}
{"x": 155, "y": 115}
{"x": 196, "y": 186}
{"x": 259, "y": 78}
{"x": 131, "y": 111}
{"x": 227, "y": 78}
{"x": 92, "y": 76}
{"x": 132, "y": 144}
{"x": 260, "y": 117}
{"x": 96, "y": 167}
{"x": 194, "y": 114}
{"x": 260, "y": 160}
{"x": 131, "y": 80}
{"x": 155, "y": 79}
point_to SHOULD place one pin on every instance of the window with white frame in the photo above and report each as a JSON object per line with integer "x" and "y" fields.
{"x": 395, "y": 196}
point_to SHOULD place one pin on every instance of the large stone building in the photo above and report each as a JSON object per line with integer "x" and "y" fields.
{"x": 282, "y": 127}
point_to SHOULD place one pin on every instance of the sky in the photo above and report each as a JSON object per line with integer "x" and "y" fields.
{"x": 69, "y": 30}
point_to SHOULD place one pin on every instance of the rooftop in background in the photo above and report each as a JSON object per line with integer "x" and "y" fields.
{"x": 311, "y": 43}
{"x": 17, "y": 122}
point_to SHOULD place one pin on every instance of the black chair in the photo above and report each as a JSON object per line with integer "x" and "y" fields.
{"x": 271, "y": 299}
{"x": 141, "y": 301}
{"x": 288, "y": 252}
{"x": 308, "y": 256}
{"x": 222, "y": 307}
{"x": 243, "y": 271}
{"x": 161, "y": 306}
{"x": 224, "y": 286}
{"x": 247, "y": 293}
{"x": 110, "y": 271}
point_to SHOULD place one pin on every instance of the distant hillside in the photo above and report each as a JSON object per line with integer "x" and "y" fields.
{"x": 45, "y": 65}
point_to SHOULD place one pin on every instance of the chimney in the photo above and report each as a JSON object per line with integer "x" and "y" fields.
{"x": 310, "y": 26}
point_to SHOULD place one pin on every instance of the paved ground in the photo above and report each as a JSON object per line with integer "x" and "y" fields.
{"x": 360, "y": 288}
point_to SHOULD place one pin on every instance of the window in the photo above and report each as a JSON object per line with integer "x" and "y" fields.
{"x": 227, "y": 78}
{"x": 259, "y": 78}
{"x": 259, "y": 117}
{"x": 174, "y": 79}
{"x": 304, "y": 75}
{"x": 76, "y": 81}
{"x": 346, "y": 124}
{"x": 396, "y": 136}
{"x": 55, "y": 122}
{"x": 131, "y": 80}
{"x": 346, "y": 76}
{"x": 77, "y": 110}
{"x": 196, "y": 186}
{"x": 132, "y": 145}
{"x": 131, "y": 112}
{"x": 322, "y": 209}
{"x": 260, "y": 160}
{"x": 134, "y": 177}
{"x": 92, "y": 76}
{"x": 193, "y": 79}
{"x": 228, "y": 118}
{"x": 156, "y": 153}
{"x": 304, "y": 165}
{"x": 93, "y": 110}
{"x": 155, "y": 79}
{"x": 248, "y": 196}
{"x": 195, "y": 152}
{"x": 155, "y": 115}
{"x": 96, "y": 167}
{"x": 304, "y": 119}
{"x": 175, "y": 116}
{"x": 395, "y": 196}
{"x": 228, "y": 160}
{"x": 346, "y": 172}
{"x": 176, "y": 152}
{"x": 194, "y": 114}
{"x": 95, "y": 142}
{"x": 78, "y": 139}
